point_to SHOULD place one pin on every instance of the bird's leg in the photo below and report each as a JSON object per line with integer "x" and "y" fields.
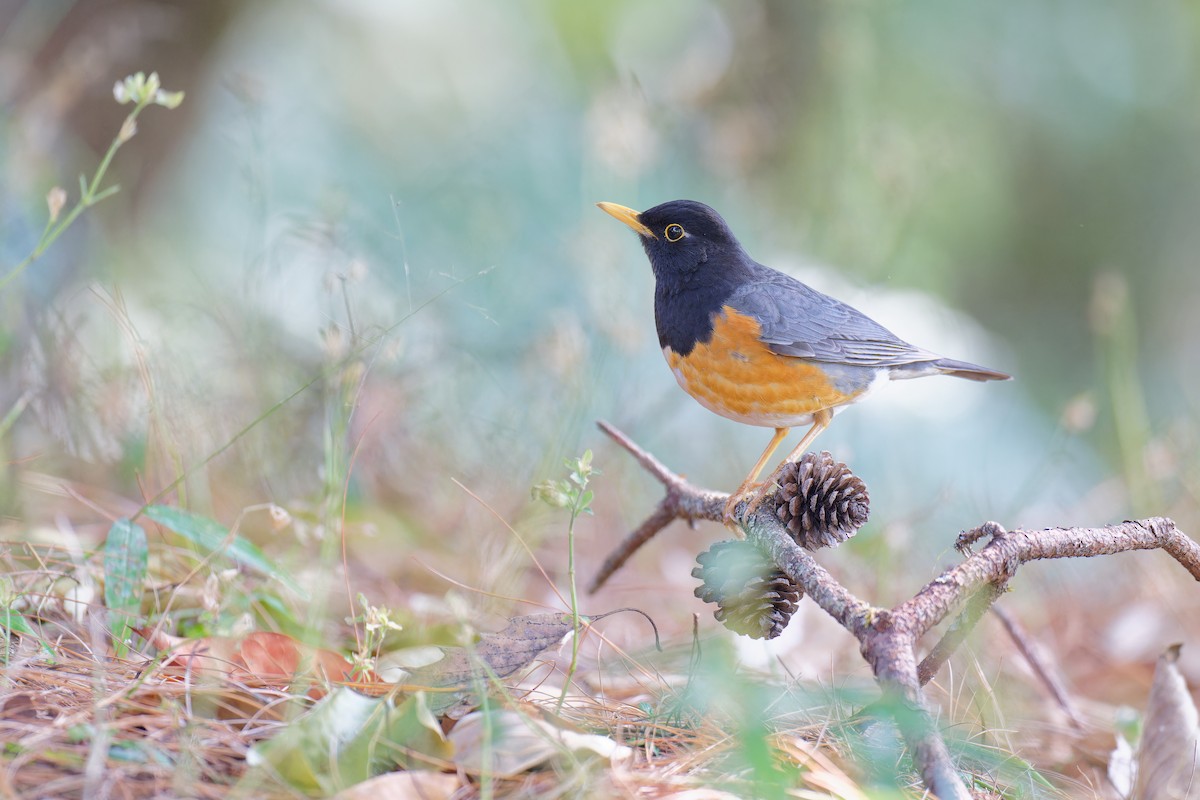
{"x": 820, "y": 422}
{"x": 749, "y": 484}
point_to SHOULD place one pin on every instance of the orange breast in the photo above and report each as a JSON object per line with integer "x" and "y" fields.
{"x": 737, "y": 376}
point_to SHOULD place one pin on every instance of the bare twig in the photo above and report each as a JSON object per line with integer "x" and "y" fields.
{"x": 888, "y": 638}
{"x": 662, "y": 516}
{"x": 1008, "y": 550}
{"x": 681, "y": 501}
{"x": 976, "y": 607}
{"x": 1040, "y": 663}
{"x": 648, "y": 462}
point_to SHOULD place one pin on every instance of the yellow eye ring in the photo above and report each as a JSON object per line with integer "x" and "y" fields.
{"x": 673, "y": 233}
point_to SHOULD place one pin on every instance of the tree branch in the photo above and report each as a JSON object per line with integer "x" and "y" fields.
{"x": 681, "y": 501}
{"x": 888, "y": 638}
{"x": 976, "y": 606}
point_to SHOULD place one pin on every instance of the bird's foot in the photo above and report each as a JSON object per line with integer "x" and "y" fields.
{"x": 745, "y": 492}
{"x": 764, "y": 491}
{"x": 753, "y": 492}
{"x": 756, "y": 493}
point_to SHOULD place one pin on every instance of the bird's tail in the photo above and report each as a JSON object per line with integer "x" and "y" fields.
{"x": 962, "y": 369}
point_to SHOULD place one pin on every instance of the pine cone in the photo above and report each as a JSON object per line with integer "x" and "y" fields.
{"x": 821, "y": 501}
{"x": 753, "y": 596}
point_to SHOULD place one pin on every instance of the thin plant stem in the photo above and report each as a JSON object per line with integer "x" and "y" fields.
{"x": 88, "y": 196}
{"x": 575, "y": 507}
{"x": 13, "y": 413}
{"x": 573, "y": 495}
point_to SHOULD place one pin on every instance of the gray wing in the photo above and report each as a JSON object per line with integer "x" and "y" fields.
{"x": 797, "y": 320}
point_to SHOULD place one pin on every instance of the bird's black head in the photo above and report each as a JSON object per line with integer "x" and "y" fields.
{"x": 687, "y": 242}
{"x": 698, "y": 264}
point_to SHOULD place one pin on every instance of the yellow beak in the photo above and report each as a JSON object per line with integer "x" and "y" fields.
{"x": 628, "y": 216}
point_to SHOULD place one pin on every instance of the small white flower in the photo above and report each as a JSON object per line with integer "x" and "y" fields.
{"x": 168, "y": 99}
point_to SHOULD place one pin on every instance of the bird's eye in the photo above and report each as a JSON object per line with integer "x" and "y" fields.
{"x": 674, "y": 233}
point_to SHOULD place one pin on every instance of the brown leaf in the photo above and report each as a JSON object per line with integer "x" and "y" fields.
{"x": 499, "y": 654}
{"x": 1169, "y": 755}
{"x": 18, "y": 706}
{"x": 495, "y": 654}
{"x": 260, "y": 658}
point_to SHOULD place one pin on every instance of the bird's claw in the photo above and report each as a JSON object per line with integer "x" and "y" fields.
{"x": 752, "y": 492}
{"x": 730, "y": 517}
{"x": 763, "y": 491}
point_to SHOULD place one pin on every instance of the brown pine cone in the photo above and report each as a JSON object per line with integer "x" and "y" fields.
{"x": 821, "y": 501}
{"x": 753, "y": 596}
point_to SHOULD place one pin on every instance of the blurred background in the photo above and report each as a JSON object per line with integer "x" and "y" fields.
{"x": 390, "y": 204}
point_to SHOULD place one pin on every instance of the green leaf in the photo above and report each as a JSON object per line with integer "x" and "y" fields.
{"x": 210, "y": 536}
{"x": 348, "y": 737}
{"x": 126, "y": 556}
{"x": 551, "y": 493}
{"x": 14, "y": 623}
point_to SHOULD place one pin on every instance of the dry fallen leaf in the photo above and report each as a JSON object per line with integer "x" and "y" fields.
{"x": 502, "y": 653}
{"x": 416, "y": 785}
{"x": 18, "y": 706}
{"x": 1169, "y": 755}
{"x": 1122, "y": 767}
{"x": 260, "y": 658}
{"x": 496, "y": 655}
{"x": 507, "y": 743}
{"x": 396, "y": 666}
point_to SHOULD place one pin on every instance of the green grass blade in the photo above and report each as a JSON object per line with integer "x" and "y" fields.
{"x": 211, "y": 536}
{"x": 126, "y": 558}
{"x": 13, "y": 623}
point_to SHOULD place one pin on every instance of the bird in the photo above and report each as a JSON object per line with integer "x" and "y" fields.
{"x": 759, "y": 347}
